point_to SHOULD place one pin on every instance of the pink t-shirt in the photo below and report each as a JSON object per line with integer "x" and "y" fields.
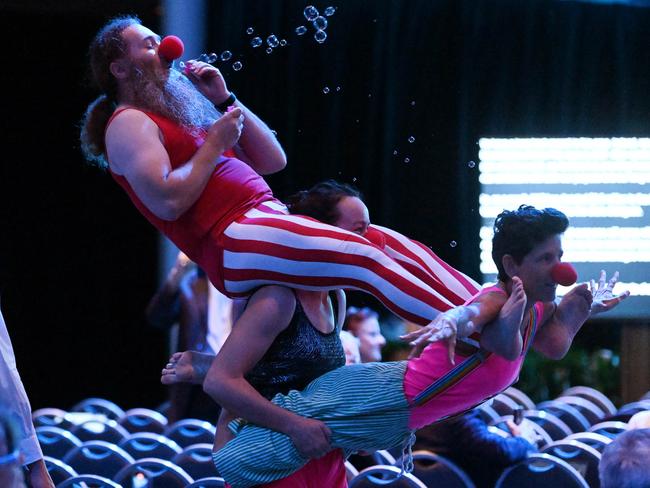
{"x": 494, "y": 375}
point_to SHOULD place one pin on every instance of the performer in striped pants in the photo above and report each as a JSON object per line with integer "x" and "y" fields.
{"x": 190, "y": 156}
{"x": 378, "y": 405}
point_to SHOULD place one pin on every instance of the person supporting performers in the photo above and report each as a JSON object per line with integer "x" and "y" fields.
{"x": 378, "y": 405}
{"x": 195, "y": 174}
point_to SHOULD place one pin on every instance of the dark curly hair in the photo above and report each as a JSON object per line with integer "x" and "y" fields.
{"x": 319, "y": 202}
{"x": 517, "y": 232}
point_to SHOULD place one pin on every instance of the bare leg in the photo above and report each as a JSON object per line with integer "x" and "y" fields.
{"x": 186, "y": 367}
{"x": 512, "y": 312}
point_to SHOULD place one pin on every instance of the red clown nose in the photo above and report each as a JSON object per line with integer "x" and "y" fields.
{"x": 171, "y": 47}
{"x": 564, "y": 274}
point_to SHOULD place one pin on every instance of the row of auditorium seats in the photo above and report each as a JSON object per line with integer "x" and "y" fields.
{"x": 133, "y": 448}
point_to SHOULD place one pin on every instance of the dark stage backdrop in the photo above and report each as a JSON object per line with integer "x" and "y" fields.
{"x": 77, "y": 264}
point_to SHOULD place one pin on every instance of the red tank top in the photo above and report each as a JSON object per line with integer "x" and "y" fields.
{"x": 233, "y": 189}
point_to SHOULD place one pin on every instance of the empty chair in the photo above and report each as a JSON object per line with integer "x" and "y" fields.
{"x": 597, "y": 441}
{"x": 59, "y": 471}
{"x": 100, "y": 430}
{"x": 191, "y": 431}
{"x": 503, "y": 404}
{"x": 157, "y": 472}
{"x": 56, "y": 442}
{"x": 590, "y": 410}
{"x": 594, "y": 396}
{"x": 582, "y": 457}
{"x": 100, "y": 406}
{"x": 211, "y": 482}
{"x": 624, "y": 413}
{"x": 385, "y": 476}
{"x": 520, "y": 397}
{"x": 51, "y": 417}
{"x": 435, "y": 470}
{"x": 89, "y": 481}
{"x": 551, "y": 424}
{"x": 567, "y": 413}
{"x": 98, "y": 457}
{"x": 197, "y": 461}
{"x": 610, "y": 429}
{"x": 144, "y": 420}
{"x": 541, "y": 471}
{"x": 147, "y": 445}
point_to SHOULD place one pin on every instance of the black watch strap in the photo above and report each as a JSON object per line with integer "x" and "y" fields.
{"x": 223, "y": 106}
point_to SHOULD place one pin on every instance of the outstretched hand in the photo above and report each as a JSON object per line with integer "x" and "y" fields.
{"x": 603, "y": 293}
{"x": 444, "y": 327}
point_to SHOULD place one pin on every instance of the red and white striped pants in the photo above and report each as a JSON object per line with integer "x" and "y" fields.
{"x": 267, "y": 246}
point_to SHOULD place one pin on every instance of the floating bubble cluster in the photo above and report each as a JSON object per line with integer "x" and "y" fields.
{"x": 311, "y": 14}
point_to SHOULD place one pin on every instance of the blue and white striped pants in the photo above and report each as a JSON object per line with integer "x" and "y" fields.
{"x": 363, "y": 405}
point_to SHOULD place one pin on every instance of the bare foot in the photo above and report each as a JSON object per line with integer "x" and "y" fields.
{"x": 512, "y": 312}
{"x": 186, "y": 367}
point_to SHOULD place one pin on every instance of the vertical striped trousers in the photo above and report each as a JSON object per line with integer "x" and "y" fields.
{"x": 268, "y": 246}
{"x": 363, "y": 405}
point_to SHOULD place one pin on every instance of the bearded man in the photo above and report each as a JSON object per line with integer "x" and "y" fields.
{"x": 190, "y": 156}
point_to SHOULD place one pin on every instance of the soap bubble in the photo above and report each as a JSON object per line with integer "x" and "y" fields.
{"x": 326, "y": 90}
{"x": 272, "y": 41}
{"x": 329, "y": 11}
{"x": 256, "y": 41}
{"x": 249, "y": 31}
{"x": 237, "y": 65}
{"x": 471, "y": 164}
{"x": 453, "y": 243}
{"x": 411, "y": 139}
{"x": 301, "y": 29}
{"x": 310, "y": 12}
{"x": 320, "y": 36}
{"x": 226, "y": 55}
{"x": 320, "y": 23}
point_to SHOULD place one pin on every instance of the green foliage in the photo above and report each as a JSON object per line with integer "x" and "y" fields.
{"x": 544, "y": 379}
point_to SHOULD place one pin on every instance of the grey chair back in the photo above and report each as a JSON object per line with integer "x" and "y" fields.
{"x": 386, "y": 477}
{"x": 157, "y": 472}
{"x": 56, "y": 442}
{"x": 541, "y": 471}
{"x": 98, "y": 457}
